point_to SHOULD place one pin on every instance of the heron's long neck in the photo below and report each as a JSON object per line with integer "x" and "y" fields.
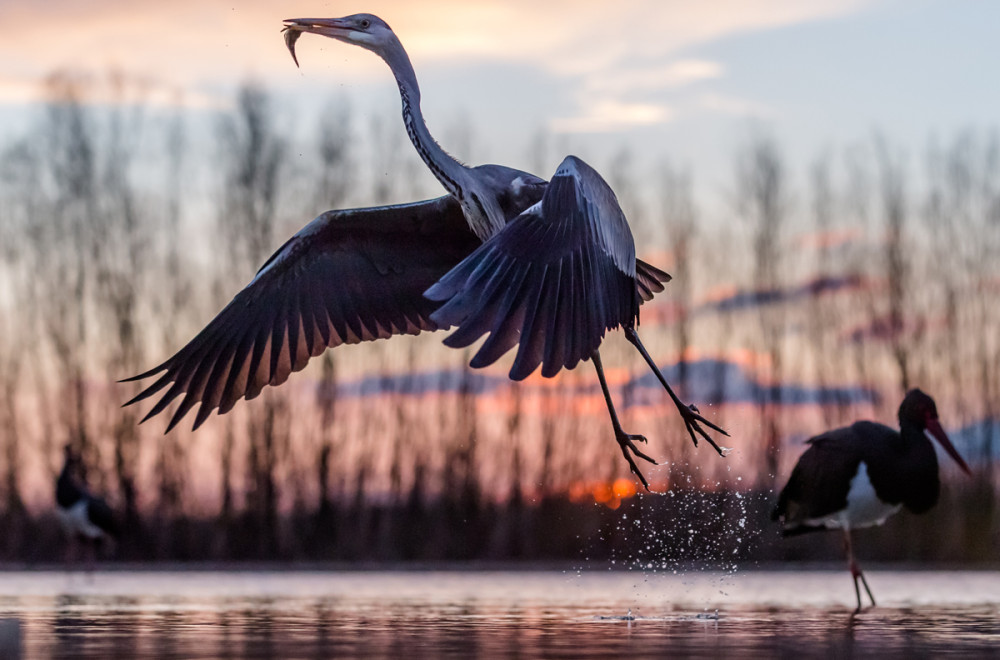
{"x": 447, "y": 170}
{"x": 452, "y": 174}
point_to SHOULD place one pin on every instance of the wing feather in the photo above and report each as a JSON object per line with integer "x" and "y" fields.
{"x": 348, "y": 276}
{"x": 572, "y": 267}
{"x": 506, "y": 330}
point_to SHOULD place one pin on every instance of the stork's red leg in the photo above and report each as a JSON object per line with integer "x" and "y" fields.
{"x": 856, "y": 571}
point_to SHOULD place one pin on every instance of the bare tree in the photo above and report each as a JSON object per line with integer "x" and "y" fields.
{"x": 333, "y": 181}
{"x": 170, "y": 299}
{"x": 91, "y": 259}
{"x": 326, "y": 402}
{"x": 62, "y": 249}
{"x": 254, "y": 154}
{"x": 858, "y": 205}
{"x": 962, "y": 216}
{"x": 12, "y": 509}
{"x": 821, "y": 319}
{"x": 893, "y": 195}
{"x": 13, "y": 513}
{"x": 120, "y": 256}
{"x": 762, "y": 200}
{"x": 622, "y": 182}
{"x": 334, "y": 173}
{"x": 387, "y": 145}
{"x": 680, "y": 225}
{"x": 621, "y": 178}
{"x": 21, "y": 200}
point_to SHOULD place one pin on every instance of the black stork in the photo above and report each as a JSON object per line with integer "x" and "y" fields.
{"x": 85, "y": 518}
{"x": 860, "y": 475}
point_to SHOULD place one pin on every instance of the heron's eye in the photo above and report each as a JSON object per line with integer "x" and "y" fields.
{"x": 365, "y": 23}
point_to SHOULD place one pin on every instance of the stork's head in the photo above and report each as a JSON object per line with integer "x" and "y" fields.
{"x": 365, "y": 30}
{"x": 71, "y": 458}
{"x": 919, "y": 410}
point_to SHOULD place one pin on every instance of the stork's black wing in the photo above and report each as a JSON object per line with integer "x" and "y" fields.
{"x": 820, "y": 480}
{"x": 348, "y": 276}
{"x": 101, "y": 515}
{"x": 553, "y": 280}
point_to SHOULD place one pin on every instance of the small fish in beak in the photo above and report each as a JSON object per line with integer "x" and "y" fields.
{"x": 292, "y": 34}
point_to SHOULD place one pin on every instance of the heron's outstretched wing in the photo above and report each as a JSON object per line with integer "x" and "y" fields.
{"x": 348, "y": 276}
{"x": 554, "y": 280}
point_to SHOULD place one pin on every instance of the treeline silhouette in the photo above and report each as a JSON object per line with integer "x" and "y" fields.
{"x": 820, "y": 298}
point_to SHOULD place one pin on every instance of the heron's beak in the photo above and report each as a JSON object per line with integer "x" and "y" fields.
{"x": 336, "y": 28}
{"x": 935, "y": 429}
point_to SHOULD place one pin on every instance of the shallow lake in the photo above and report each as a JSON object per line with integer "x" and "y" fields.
{"x": 544, "y": 613}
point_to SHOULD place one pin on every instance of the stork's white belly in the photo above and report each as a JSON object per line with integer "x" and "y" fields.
{"x": 864, "y": 508}
{"x": 75, "y": 521}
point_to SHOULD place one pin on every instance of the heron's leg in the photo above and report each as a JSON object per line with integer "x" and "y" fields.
{"x": 625, "y": 440}
{"x": 690, "y": 414}
{"x": 856, "y": 570}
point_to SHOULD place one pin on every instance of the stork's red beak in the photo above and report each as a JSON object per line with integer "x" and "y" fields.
{"x": 935, "y": 428}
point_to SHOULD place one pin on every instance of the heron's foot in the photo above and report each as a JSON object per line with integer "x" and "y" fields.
{"x": 627, "y": 442}
{"x": 693, "y": 421}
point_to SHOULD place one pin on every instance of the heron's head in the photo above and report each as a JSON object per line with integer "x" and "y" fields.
{"x": 365, "y": 30}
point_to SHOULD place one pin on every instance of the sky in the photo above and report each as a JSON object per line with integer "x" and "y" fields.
{"x": 664, "y": 79}
{"x": 678, "y": 80}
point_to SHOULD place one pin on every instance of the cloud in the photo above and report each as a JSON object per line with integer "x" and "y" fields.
{"x": 653, "y": 78}
{"x": 608, "y": 68}
{"x": 610, "y": 114}
{"x": 191, "y": 40}
{"x": 731, "y": 105}
{"x": 732, "y": 299}
{"x": 711, "y": 380}
{"x": 608, "y": 100}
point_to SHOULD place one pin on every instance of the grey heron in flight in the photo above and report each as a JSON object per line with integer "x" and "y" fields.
{"x": 549, "y": 267}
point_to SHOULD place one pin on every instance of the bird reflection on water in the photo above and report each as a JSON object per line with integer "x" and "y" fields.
{"x": 493, "y": 614}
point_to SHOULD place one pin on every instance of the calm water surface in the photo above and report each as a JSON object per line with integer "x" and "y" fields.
{"x": 495, "y": 614}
